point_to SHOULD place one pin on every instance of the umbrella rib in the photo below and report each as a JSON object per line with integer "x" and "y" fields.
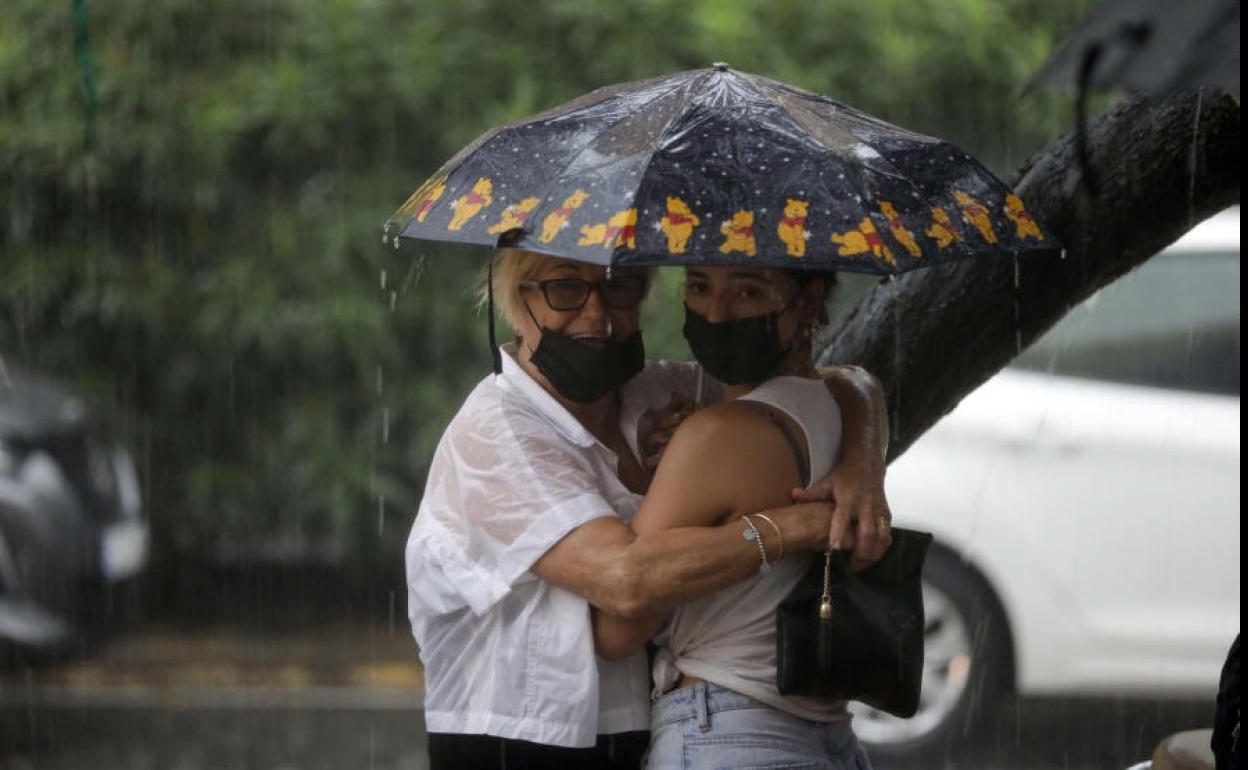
{"x": 580, "y": 103}
{"x": 767, "y": 89}
{"x": 614, "y": 123}
{"x": 659, "y": 144}
{"x": 767, "y": 86}
{"x": 895, "y": 172}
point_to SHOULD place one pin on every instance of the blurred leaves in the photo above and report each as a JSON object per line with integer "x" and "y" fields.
{"x": 212, "y": 274}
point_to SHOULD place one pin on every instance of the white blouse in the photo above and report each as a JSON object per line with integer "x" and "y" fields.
{"x": 504, "y": 653}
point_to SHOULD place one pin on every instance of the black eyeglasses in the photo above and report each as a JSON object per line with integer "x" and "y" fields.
{"x": 619, "y": 293}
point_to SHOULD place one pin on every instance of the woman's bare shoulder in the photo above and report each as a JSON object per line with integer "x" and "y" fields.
{"x": 722, "y": 460}
{"x": 732, "y": 456}
{"x": 730, "y": 435}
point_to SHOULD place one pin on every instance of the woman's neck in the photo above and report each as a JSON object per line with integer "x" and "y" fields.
{"x": 601, "y": 418}
{"x": 737, "y": 391}
{"x": 798, "y": 364}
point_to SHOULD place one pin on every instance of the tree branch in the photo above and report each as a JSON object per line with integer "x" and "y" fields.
{"x": 934, "y": 335}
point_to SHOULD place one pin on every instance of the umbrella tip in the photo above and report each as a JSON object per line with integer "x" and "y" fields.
{"x": 721, "y": 66}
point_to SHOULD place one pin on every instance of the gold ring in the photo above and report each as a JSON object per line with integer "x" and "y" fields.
{"x": 881, "y": 522}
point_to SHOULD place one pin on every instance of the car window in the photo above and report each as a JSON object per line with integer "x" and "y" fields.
{"x": 1172, "y": 323}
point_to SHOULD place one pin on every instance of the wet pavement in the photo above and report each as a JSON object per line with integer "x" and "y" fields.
{"x": 344, "y": 697}
{"x": 178, "y": 738}
{"x": 332, "y": 696}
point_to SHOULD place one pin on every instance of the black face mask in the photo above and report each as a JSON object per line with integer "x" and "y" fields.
{"x": 737, "y": 352}
{"x": 585, "y": 373}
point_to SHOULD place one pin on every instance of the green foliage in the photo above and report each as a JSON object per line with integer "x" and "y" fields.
{"x": 212, "y": 276}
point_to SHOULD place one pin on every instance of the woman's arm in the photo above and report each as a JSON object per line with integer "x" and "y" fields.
{"x": 710, "y": 450}
{"x": 632, "y": 574}
{"x": 856, "y": 483}
{"x": 507, "y": 498}
{"x": 638, "y": 576}
{"x": 743, "y": 465}
{"x": 633, "y": 580}
{"x": 688, "y": 552}
{"x": 679, "y": 549}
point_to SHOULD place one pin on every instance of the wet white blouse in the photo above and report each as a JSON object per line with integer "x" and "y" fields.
{"x": 504, "y": 653}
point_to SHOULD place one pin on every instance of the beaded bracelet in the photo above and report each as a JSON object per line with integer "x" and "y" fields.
{"x": 751, "y": 533}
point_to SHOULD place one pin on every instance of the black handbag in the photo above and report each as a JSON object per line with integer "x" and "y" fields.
{"x": 857, "y": 635}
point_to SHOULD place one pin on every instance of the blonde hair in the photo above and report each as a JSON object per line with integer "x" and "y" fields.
{"x": 513, "y": 268}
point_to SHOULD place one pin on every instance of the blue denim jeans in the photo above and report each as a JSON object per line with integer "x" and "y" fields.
{"x": 708, "y": 727}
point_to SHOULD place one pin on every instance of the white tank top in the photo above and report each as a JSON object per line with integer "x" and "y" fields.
{"x": 729, "y": 637}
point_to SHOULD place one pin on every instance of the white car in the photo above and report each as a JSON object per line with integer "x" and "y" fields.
{"x": 1085, "y": 503}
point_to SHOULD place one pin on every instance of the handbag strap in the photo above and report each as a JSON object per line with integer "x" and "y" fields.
{"x": 799, "y": 454}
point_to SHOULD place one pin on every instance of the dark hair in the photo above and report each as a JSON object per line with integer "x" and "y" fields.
{"x": 804, "y": 278}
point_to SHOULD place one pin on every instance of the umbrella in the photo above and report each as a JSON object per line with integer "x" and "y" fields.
{"x": 1154, "y": 47}
{"x": 718, "y": 166}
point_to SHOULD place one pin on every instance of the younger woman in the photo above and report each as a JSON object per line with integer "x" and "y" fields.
{"x": 778, "y": 428}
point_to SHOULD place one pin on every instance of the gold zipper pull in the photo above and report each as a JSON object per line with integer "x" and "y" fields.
{"x": 825, "y": 601}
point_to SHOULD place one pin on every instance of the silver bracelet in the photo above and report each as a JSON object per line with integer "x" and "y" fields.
{"x": 751, "y": 533}
{"x": 779, "y": 534}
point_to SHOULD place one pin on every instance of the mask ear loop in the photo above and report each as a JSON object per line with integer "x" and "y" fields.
{"x": 540, "y": 329}
{"x": 489, "y": 291}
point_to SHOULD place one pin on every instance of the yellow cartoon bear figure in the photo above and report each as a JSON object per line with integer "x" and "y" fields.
{"x": 739, "y": 234}
{"x": 619, "y": 230}
{"x": 1024, "y": 225}
{"x": 792, "y": 229}
{"x": 514, "y": 215}
{"x": 556, "y": 220}
{"x": 865, "y": 239}
{"x": 468, "y": 206}
{"x": 427, "y": 204}
{"x": 974, "y": 213}
{"x": 678, "y": 225}
{"x": 421, "y": 202}
{"x": 942, "y": 229}
{"x": 899, "y": 229}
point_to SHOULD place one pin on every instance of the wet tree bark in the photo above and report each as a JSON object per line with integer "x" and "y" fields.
{"x": 934, "y": 335}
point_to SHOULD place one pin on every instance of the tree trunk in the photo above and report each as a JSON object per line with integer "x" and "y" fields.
{"x": 934, "y": 335}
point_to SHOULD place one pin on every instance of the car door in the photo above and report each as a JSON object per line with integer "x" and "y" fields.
{"x": 1131, "y": 481}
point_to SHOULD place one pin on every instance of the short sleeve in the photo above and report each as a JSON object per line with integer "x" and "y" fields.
{"x": 503, "y": 488}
